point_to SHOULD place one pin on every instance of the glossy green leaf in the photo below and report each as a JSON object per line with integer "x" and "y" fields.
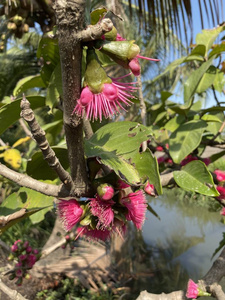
{"x": 28, "y": 82}
{"x": 97, "y": 14}
{"x": 198, "y": 50}
{"x": 10, "y": 113}
{"x": 148, "y": 169}
{"x": 115, "y": 144}
{"x": 185, "y": 139}
{"x": 195, "y": 177}
{"x": 207, "y": 80}
{"x": 208, "y": 37}
{"x": 191, "y": 84}
{"x": 38, "y": 168}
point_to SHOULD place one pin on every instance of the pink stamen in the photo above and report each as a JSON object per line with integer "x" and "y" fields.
{"x": 148, "y": 58}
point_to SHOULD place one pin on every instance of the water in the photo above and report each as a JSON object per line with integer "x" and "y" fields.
{"x": 180, "y": 245}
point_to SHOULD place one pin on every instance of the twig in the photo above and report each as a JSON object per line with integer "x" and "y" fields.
{"x": 25, "y": 129}
{"x": 87, "y": 128}
{"x": 5, "y": 246}
{"x": 94, "y": 32}
{"x": 29, "y": 182}
{"x": 219, "y": 132}
{"x": 2, "y": 143}
{"x": 142, "y": 108}
{"x": 215, "y": 96}
{"x": 52, "y": 248}
{"x": 13, "y": 294}
{"x": 39, "y": 135}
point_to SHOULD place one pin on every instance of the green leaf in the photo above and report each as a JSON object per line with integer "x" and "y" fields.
{"x": 48, "y": 50}
{"x": 185, "y": 139}
{"x": 115, "y": 144}
{"x": 38, "y": 168}
{"x": 195, "y": 177}
{"x": 191, "y": 84}
{"x": 37, "y": 205}
{"x": 148, "y": 169}
{"x": 97, "y": 14}
{"x": 28, "y": 82}
{"x": 208, "y": 37}
{"x": 211, "y": 118}
{"x": 217, "y": 50}
{"x": 174, "y": 123}
{"x": 219, "y": 81}
{"x": 10, "y": 113}
{"x": 207, "y": 80}
{"x": 198, "y": 50}
{"x": 54, "y": 89}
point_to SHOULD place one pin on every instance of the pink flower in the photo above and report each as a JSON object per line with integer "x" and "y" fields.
{"x": 161, "y": 159}
{"x": 221, "y": 190}
{"x": 137, "y": 206}
{"x": 14, "y": 248}
{"x": 103, "y": 210}
{"x": 222, "y": 212}
{"x": 188, "y": 159}
{"x": 31, "y": 260}
{"x": 70, "y": 212}
{"x": 119, "y": 37}
{"x": 28, "y": 249}
{"x": 207, "y": 161}
{"x": 107, "y": 102}
{"x": 122, "y": 185}
{"x": 105, "y": 191}
{"x": 220, "y": 175}
{"x": 22, "y": 257}
{"x": 19, "y": 273}
{"x": 93, "y": 234}
{"x": 150, "y": 189}
{"x": 192, "y": 290}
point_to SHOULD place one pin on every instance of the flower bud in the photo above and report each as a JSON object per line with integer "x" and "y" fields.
{"x": 86, "y": 96}
{"x": 150, "y": 189}
{"x": 135, "y": 67}
{"x": 110, "y": 91}
{"x": 111, "y": 35}
{"x": 105, "y": 191}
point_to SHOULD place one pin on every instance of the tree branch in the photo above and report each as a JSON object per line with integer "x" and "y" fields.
{"x": 13, "y": 294}
{"x": 70, "y": 20}
{"x": 94, "y": 32}
{"x": 29, "y": 182}
{"x": 39, "y": 136}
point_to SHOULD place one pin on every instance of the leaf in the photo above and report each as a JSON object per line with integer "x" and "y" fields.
{"x": 13, "y": 220}
{"x": 191, "y": 84}
{"x": 219, "y": 81}
{"x": 198, "y": 50}
{"x": 10, "y": 113}
{"x": 48, "y": 50}
{"x": 208, "y": 37}
{"x": 195, "y": 177}
{"x": 38, "y": 168}
{"x": 211, "y": 118}
{"x": 13, "y": 158}
{"x": 152, "y": 211}
{"x": 185, "y": 139}
{"x": 54, "y": 90}
{"x": 221, "y": 245}
{"x": 207, "y": 80}
{"x": 148, "y": 169}
{"x": 97, "y": 15}
{"x": 174, "y": 123}
{"x": 217, "y": 50}
{"x": 33, "y": 201}
{"x": 115, "y": 144}
{"x": 28, "y": 82}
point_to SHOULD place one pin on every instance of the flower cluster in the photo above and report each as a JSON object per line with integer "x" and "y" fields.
{"x": 102, "y": 96}
{"x": 106, "y": 213}
{"x": 25, "y": 257}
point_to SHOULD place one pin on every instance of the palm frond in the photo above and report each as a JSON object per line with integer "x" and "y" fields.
{"x": 176, "y": 16}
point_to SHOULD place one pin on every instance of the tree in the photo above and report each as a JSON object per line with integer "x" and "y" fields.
{"x": 117, "y": 151}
